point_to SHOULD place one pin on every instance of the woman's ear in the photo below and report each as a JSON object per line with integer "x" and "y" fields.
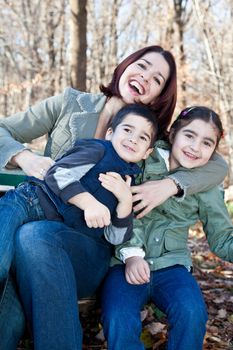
{"x": 109, "y": 133}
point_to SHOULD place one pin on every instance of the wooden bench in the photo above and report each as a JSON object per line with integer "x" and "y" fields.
{"x": 10, "y": 178}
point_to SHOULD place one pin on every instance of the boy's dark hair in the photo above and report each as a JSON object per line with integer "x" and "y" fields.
{"x": 189, "y": 114}
{"x": 141, "y": 111}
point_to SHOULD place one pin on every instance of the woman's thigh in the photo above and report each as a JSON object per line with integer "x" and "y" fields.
{"x": 52, "y": 246}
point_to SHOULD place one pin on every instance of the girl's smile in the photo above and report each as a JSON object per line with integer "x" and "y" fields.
{"x": 193, "y": 145}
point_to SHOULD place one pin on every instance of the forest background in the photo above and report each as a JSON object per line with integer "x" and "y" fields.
{"x": 46, "y": 45}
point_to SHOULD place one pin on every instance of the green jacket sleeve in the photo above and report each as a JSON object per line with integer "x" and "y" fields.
{"x": 202, "y": 179}
{"x": 216, "y": 223}
{"x": 23, "y": 127}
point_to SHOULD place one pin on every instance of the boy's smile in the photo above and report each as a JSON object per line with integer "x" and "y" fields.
{"x": 132, "y": 138}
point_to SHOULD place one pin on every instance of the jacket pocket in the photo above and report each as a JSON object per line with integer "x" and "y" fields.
{"x": 175, "y": 241}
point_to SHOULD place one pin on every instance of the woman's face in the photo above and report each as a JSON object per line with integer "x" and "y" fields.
{"x": 143, "y": 80}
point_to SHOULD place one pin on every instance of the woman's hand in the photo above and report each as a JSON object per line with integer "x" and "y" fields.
{"x": 151, "y": 194}
{"x": 32, "y": 164}
{"x": 137, "y": 270}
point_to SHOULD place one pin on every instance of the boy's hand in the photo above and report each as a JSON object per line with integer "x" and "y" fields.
{"x": 95, "y": 213}
{"x": 114, "y": 183}
{"x": 137, "y": 270}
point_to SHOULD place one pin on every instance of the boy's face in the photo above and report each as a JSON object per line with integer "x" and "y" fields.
{"x": 193, "y": 145}
{"x": 132, "y": 138}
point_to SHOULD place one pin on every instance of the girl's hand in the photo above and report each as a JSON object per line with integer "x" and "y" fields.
{"x": 114, "y": 183}
{"x": 151, "y": 194}
{"x": 32, "y": 164}
{"x": 137, "y": 270}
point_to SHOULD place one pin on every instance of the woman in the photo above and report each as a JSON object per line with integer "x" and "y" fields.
{"x": 55, "y": 264}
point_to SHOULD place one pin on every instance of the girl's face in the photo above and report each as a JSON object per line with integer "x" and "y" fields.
{"x": 193, "y": 145}
{"x": 144, "y": 80}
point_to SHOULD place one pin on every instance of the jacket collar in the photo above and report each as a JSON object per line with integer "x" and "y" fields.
{"x": 83, "y": 123}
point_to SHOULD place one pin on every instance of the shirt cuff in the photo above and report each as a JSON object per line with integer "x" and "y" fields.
{"x": 128, "y": 252}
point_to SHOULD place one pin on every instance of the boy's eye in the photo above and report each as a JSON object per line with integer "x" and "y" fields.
{"x": 127, "y": 130}
{"x": 144, "y": 138}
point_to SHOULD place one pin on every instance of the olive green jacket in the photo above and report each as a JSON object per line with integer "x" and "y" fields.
{"x": 72, "y": 115}
{"x": 163, "y": 233}
{"x": 65, "y": 118}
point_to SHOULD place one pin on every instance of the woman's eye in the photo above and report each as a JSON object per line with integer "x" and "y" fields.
{"x": 141, "y": 65}
{"x": 157, "y": 80}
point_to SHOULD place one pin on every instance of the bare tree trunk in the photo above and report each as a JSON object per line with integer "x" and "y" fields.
{"x": 216, "y": 72}
{"x": 78, "y": 42}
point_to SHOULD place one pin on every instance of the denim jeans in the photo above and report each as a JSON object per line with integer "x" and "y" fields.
{"x": 12, "y": 320}
{"x": 174, "y": 290}
{"x": 55, "y": 265}
{"x": 16, "y": 208}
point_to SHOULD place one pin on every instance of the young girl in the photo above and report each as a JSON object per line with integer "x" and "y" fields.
{"x": 157, "y": 259}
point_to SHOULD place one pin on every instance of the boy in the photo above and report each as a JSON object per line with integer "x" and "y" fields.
{"x": 71, "y": 191}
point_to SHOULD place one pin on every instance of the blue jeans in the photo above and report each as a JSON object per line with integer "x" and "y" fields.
{"x": 55, "y": 265}
{"x": 173, "y": 290}
{"x": 16, "y": 208}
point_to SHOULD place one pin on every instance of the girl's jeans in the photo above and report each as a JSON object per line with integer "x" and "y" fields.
{"x": 174, "y": 290}
{"x": 16, "y": 208}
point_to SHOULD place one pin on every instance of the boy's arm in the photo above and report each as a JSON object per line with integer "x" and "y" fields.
{"x": 63, "y": 178}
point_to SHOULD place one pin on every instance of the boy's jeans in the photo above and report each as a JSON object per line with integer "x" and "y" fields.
{"x": 16, "y": 208}
{"x": 174, "y": 290}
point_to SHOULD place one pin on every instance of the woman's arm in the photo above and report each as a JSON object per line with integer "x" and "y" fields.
{"x": 153, "y": 193}
{"x": 22, "y": 128}
{"x": 203, "y": 178}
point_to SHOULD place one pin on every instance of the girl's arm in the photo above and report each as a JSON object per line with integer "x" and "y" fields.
{"x": 22, "y": 128}
{"x": 216, "y": 223}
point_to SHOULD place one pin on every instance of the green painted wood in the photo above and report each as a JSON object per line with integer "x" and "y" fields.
{"x": 11, "y": 177}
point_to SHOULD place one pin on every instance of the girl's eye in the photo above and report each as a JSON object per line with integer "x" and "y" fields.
{"x": 208, "y": 144}
{"x": 189, "y": 136}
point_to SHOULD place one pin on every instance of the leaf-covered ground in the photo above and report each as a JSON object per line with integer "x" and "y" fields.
{"x": 216, "y": 280}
